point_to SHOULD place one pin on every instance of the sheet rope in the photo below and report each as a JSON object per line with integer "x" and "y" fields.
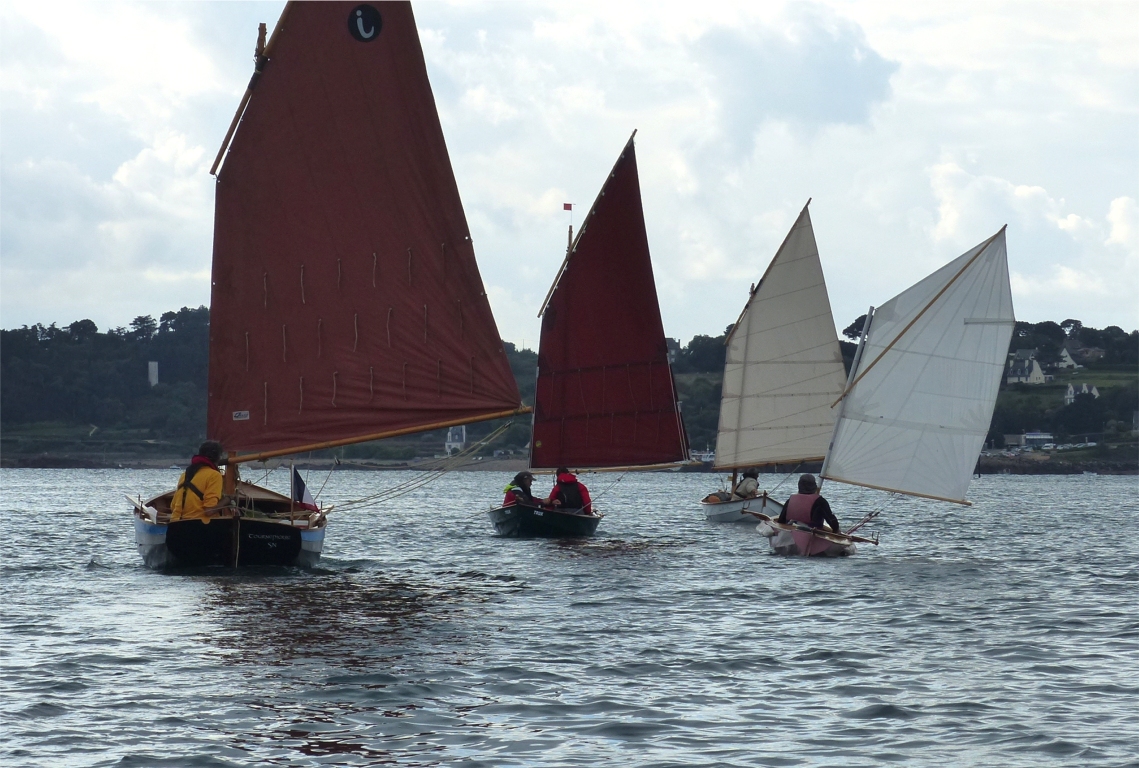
{"x": 593, "y": 499}
{"x": 427, "y": 477}
{"x": 874, "y": 513}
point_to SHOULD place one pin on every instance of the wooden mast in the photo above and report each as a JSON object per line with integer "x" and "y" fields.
{"x": 261, "y": 55}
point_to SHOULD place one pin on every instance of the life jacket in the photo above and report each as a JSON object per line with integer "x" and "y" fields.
{"x": 799, "y": 507}
{"x": 187, "y": 484}
{"x": 189, "y": 497}
{"x": 520, "y": 494}
{"x": 569, "y": 493}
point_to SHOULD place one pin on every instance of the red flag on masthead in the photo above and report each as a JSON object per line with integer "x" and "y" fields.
{"x": 567, "y": 206}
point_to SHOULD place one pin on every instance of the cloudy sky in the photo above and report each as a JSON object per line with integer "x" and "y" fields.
{"x": 917, "y": 128}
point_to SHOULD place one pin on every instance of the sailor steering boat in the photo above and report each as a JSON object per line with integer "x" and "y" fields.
{"x": 605, "y": 398}
{"x": 909, "y": 418}
{"x": 346, "y": 302}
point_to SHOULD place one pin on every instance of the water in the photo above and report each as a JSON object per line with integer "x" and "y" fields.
{"x": 1006, "y": 634}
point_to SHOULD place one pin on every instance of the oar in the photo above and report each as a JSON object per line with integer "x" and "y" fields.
{"x": 815, "y": 531}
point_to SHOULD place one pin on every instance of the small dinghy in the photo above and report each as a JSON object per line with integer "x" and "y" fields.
{"x": 261, "y": 528}
{"x": 346, "y": 302}
{"x": 719, "y": 510}
{"x": 916, "y": 405}
{"x": 782, "y": 371}
{"x": 530, "y": 520}
{"x": 604, "y": 397}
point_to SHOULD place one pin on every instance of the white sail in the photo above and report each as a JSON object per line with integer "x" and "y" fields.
{"x": 919, "y": 405}
{"x": 783, "y": 369}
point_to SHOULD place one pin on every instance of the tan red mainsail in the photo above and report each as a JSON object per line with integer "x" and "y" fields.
{"x": 346, "y": 300}
{"x": 605, "y": 395}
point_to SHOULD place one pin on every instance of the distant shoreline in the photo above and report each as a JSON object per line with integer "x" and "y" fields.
{"x": 1041, "y": 464}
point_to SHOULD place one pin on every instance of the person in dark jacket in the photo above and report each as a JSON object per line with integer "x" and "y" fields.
{"x": 808, "y": 507}
{"x": 518, "y": 491}
{"x": 571, "y": 495}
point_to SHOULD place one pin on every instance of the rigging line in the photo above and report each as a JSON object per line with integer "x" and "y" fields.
{"x": 335, "y": 464}
{"x": 981, "y": 249}
{"x": 398, "y": 491}
{"x": 785, "y": 479}
{"x": 873, "y": 514}
{"x": 268, "y": 472}
{"x": 443, "y": 468}
{"x": 608, "y": 488}
{"x": 428, "y": 476}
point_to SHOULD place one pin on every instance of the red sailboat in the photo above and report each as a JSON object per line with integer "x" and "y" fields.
{"x": 346, "y": 302}
{"x": 605, "y": 396}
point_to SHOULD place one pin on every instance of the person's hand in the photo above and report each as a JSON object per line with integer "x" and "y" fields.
{"x": 556, "y": 502}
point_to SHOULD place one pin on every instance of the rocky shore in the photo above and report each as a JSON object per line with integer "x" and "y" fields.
{"x": 1045, "y": 464}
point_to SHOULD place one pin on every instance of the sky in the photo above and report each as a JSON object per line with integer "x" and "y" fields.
{"x": 916, "y": 129}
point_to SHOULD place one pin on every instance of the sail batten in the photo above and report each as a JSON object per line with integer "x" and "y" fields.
{"x": 916, "y": 414}
{"x": 783, "y": 366}
{"x": 346, "y": 299}
{"x": 604, "y": 395}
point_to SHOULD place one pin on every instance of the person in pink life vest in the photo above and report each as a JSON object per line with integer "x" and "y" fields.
{"x": 808, "y": 507}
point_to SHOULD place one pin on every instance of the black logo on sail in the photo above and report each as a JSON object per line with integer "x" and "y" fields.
{"x": 364, "y": 23}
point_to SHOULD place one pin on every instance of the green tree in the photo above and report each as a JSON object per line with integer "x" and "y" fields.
{"x": 854, "y": 330}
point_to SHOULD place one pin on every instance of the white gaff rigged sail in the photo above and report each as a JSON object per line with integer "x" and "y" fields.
{"x": 919, "y": 406}
{"x": 783, "y": 368}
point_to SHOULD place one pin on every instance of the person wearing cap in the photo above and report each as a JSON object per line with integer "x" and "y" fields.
{"x": 200, "y": 486}
{"x": 747, "y": 487}
{"x": 518, "y": 491}
{"x": 808, "y": 507}
{"x": 571, "y": 495}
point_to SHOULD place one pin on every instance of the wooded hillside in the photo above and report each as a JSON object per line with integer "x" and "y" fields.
{"x": 76, "y": 389}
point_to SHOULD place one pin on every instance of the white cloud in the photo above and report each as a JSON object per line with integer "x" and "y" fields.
{"x": 918, "y": 130}
{"x": 1123, "y": 216}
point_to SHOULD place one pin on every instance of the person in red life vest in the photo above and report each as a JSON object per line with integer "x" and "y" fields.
{"x": 200, "y": 486}
{"x": 808, "y": 507}
{"x": 571, "y": 495}
{"x": 518, "y": 491}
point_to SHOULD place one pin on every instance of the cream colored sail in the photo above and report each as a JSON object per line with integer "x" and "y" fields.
{"x": 920, "y": 401}
{"x": 783, "y": 369}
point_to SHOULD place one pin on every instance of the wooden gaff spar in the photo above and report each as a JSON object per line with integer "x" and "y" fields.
{"x": 605, "y": 396}
{"x": 346, "y": 301}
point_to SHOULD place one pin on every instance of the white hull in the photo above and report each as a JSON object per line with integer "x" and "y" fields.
{"x": 739, "y": 511}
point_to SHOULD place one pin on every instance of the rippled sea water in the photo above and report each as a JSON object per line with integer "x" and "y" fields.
{"x": 1006, "y": 634}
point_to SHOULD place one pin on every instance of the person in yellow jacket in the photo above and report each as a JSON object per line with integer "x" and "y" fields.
{"x": 200, "y": 486}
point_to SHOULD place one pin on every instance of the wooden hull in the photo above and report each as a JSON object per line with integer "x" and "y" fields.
{"x": 521, "y": 520}
{"x": 739, "y": 511}
{"x": 262, "y": 527}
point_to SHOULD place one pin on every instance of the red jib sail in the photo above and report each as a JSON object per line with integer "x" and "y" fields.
{"x": 605, "y": 395}
{"x": 346, "y": 299}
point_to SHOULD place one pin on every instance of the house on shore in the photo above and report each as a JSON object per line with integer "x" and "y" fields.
{"x": 1079, "y": 389}
{"x": 1024, "y": 369}
{"x": 1066, "y": 360}
{"x": 1079, "y": 354}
